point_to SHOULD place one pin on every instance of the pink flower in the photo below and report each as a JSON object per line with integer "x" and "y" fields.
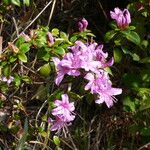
{"x": 63, "y": 113}
{"x": 82, "y": 25}
{"x": 70, "y": 65}
{"x": 96, "y": 80}
{"x": 107, "y": 96}
{"x": 57, "y": 124}
{"x": 7, "y": 80}
{"x": 122, "y": 18}
{"x": 100, "y": 84}
{"x": 64, "y": 108}
{"x": 92, "y": 56}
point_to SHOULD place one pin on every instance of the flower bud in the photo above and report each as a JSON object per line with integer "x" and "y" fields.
{"x": 50, "y": 39}
{"x": 122, "y": 18}
{"x": 25, "y": 36}
{"x": 82, "y": 25}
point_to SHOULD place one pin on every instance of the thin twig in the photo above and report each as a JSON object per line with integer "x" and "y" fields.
{"x": 66, "y": 144}
{"x": 100, "y": 5}
{"x": 51, "y": 13}
{"x": 34, "y": 19}
{"x": 16, "y": 27}
{"x": 37, "y": 16}
{"x": 1, "y": 28}
{"x": 144, "y": 146}
{"x": 28, "y": 69}
{"x": 43, "y": 105}
{"x": 73, "y": 144}
{"x": 1, "y": 41}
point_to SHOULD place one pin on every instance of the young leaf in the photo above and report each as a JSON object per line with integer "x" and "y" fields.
{"x": 20, "y": 41}
{"x": 22, "y": 57}
{"x": 60, "y": 51}
{"x": 45, "y": 70}
{"x": 7, "y": 2}
{"x": 26, "y": 2}
{"x": 16, "y": 2}
{"x": 7, "y": 71}
{"x": 145, "y": 60}
{"x": 117, "y": 55}
{"x": 25, "y": 47}
{"x": 56, "y": 140}
{"x": 55, "y": 31}
{"x": 109, "y": 35}
{"x": 132, "y": 36}
{"x": 127, "y": 102}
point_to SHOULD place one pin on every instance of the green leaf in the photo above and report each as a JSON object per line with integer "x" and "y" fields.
{"x": 7, "y": 71}
{"x": 131, "y": 27}
{"x": 132, "y": 36}
{"x": 132, "y": 80}
{"x": 117, "y": 55}
{"x": 145, "y": 60}
{"x": 26, "y": 79}
{"x": 109, "y": 35}
{"x": 90, "y": 34}
{"x": 56, "y": 140}
{"x": 17, "y": 80}
{"x": 127, "y": 102}
{"x": 55, "y": 32}
{"x": 144, "y": 95}
{"x": 20, "y": 41}
{"x": 132, "y": 54}
{"x": 45, "y": 70}
{"x": 16, "y": 2}
{"x": 64, "y": 36}
{"x": 145, "y": 131}
{"x": 144, "y": 43}
{"x": 41, "y": 53}
{"x": 26, "y": 2}
{"x": 113, "y": 25}
{"x": 44, "y": 134}
{"x": 74, "y": 96}
{"x": 60, "y": 51}
{"x": 22, "y": 57}
{"x": 12, "y": 59}
{"x": 7, "y": 2}
{"x": 25, "y": 47}
{"x": 73, "y": 38}
{"x": 108, "y": 70}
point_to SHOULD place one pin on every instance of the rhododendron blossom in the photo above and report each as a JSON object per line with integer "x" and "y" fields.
{"x": 122, "y": 18}
{"x": 68, "y": 65}
{"x": 57, "y": 124}
{"x": 63, "y": 113}
{"x": 101, "y": 85}
{"x": 89, "y": 57}
{"x": 92, "y": 60}
{"x": 64, "y": 108}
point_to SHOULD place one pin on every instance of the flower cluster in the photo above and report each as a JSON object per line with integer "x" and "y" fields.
{"x": 90, "y": 59}
{"x": 63, "y": 113}
{"x": 122, "y": 18}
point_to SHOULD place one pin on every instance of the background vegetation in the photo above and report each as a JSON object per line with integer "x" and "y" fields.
{"x": 26, "y": 103}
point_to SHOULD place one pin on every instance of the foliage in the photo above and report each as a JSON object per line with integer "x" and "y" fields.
{"x": 28, "y": 89}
